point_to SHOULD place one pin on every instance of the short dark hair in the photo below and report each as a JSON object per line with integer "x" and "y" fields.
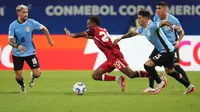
{"x": 95, "y": 19}
{"x": 161, "y": 3}
{"x": 144, "y": 13}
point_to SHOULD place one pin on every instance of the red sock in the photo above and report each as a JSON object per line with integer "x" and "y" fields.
{"x": 108, "y": 77}
{"x": 143, "y": 74}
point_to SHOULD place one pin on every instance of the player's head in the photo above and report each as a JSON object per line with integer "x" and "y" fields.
{"x": 22, "y": 12}
{"x": 161, "y": 8}
{"x": 93, "y": 21}
{"x": 143, "y": 17}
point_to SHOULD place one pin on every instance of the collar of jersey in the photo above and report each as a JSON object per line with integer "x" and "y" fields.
{"x": 21, "y": 23}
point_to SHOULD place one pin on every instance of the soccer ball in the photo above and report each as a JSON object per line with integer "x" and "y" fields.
{"x": 79, "y": 88}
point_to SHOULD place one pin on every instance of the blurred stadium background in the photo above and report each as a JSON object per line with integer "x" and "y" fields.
{"x": 72, "y": 60}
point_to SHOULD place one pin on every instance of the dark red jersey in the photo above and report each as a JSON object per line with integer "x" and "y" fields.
{"x": 103, "y": 41}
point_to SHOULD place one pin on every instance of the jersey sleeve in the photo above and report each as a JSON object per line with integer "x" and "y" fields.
{"x": 36, "y": 25}
{"x": 155, "y": 18}
{"x": 11, "y": 32}
{"x": 139, "y": 30}
{"x": 90, "y": 32}
{"x": 155, "y": 25}
{"x": 176, "y": 22}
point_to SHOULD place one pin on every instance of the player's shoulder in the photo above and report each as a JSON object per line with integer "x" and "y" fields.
{"x": 13, "y": 23}
{"x": 172, "y": 17}
{"x": 98, "y": 28}
{"x": 30, "y": 20}
{"x": 156, "y": 17}
{"x": 140, "y": 29}
{"x": 153, "y": 23}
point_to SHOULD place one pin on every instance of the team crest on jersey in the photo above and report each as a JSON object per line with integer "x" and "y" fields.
{"x": 27, "y": 29}
{"x": 148, "y": 32}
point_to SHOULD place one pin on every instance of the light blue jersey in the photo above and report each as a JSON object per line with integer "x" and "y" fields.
{"x": 22, "y": 34}
{"x": 169, "y": 32}
{"x": 156, "y": 36}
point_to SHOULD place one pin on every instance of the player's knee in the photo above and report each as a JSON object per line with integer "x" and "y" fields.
{"x": 169, "y": 70}
{"x": 96, "y": 77}
{"x": 147, "y": 68}
{"x": 37, "y": 74}
{"x": 19, "y": 77}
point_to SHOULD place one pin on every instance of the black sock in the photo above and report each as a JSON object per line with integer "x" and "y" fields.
{"x": 152, "y": 71}
{"x": 151, "y": 82}
{"x": 179, "y": 78}
{"x": 20, "y": 81}
{"x": 181, "y": 71}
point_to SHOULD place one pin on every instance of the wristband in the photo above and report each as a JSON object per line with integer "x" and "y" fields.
{"x": 173, "y": 26}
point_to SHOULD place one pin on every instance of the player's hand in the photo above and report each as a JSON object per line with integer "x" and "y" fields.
{"x": 51, "y": 42}
{"x": 176, "y": 45}
{"x": 21, "y": 48}
{"x": 67, "y": 31}
{"x": 116, "y": 41}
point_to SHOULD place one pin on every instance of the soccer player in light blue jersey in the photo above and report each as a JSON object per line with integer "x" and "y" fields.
{"x": 152, "y": 31}
{"x": 172, "y": 35}
{"x": 20, "y": 38}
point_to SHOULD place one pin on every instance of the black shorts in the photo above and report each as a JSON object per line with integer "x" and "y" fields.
{"x": 164, "y": 59}
{"x": 153, "y": 53}
{"x": 32, "y": 61}
{"x": 176, "y": 56}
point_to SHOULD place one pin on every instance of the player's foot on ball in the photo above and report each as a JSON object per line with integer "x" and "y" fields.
{"x": 190, "y": 89}
{"x": 159, "y": 87}
{"x": 147, "y": 90}
{"x": 123, "y": 83}
{"x": 23, "y": 89}
{"x": 32, "y": 80}
{"x": 162, "y": 77}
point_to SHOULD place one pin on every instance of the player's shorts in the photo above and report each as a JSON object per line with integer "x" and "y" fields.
{"x": 164, "y": 59}
{"x": 112, "y": 63}
{"x": 32, "y": 61}
{"x": 176, "y": 55}
{"x": 153, "y": 53}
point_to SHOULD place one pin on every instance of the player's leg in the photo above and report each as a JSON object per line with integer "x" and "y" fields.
{"x": 149, "y": 66}
{"x": 151, "y": 79}
{"x": 189, "y": 87}
{"x": 122, "y": 65}
{"x": 171, "y": 72}
{"x": 177, "y": 66}
{"x": 18, "y": 63}
{"x": 33, "y": 63}
{"x": 102, "y": 72}
{"x": 169, "y": 69}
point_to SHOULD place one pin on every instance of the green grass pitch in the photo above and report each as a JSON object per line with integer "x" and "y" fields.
{"x": 52, "y": 92}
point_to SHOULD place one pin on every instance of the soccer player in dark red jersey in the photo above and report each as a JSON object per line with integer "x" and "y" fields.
{"x": 115, "y": 58}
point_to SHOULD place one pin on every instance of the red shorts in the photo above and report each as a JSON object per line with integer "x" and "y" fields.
{"x": 113, "y": 63}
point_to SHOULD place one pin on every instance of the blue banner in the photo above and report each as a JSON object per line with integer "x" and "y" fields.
{"x": 115, "y": 15}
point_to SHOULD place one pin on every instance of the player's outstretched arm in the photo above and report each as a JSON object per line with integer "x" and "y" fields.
{"x": 46, "y": 32}
{"x": 166, "y": 23}
{"x": 75, "y": 35}
{"x": 127, "y": 35}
